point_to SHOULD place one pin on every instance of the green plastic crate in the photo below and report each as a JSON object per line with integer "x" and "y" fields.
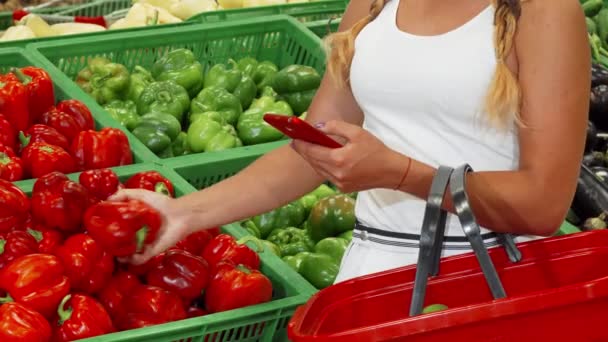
{"x": 64, "y": 90}
{"x": 263, "y": 322}
{"x": 97, "y": 8}
{"x": 6, "y": 18}
{"x": 304, "y": 12}
{"x": 280, "y": 39}
{"x": 323, "y": 28}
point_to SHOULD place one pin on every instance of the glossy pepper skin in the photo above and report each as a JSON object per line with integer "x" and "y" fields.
{"x": 87, "y": 265}
{"x": 58, "y": 202}
{"x": 48, "y": 239}
{"x": 36, "y": 281}
{"x": 332, "y": 246}
{"x": 79, "y": 111}
{"x": 79, "y": 317}
{"x": 291, "y": 240}
{"x": 264, "y": 74}
{"x": 331, "y": 216}
{"x": 236, "y": 286}
{"x": 15, "y": 207}
{"x": 151, "y": 305}
{"x": 103, "y": 80}
{"x": 179, "y": 147}
{"x": 124, "y": 112}
{"x": 100, "y": 183}
{"x": 195, "y": 243}
{"x": 100, "y": 150}
{"x": 122, "y": 228}
{"x": 227, "y": 76}
{"x": 297, "y": 84}
{"x": 289, "y": 215}
{"x": 139, "y": 79}
{"x": 8, "y": 135}
{"x": 11, "y": 166}
{"x": 14, "y": 102}
{"x": 182, "y": 273}
{"x": 44, "y": 134}
{"x": 252, "y": 128}
{"x": 180, "y": 66}
{"x": 21, "y": 324}
{"x": 151, "y": 180}
{"x": 164, "y": 97}
{"x": 157, "y": 131}
{"x": 40, "y": 92}
{"x": 225, "y": 247}
{"x": 295, "y": 261}
{"x": 320, "y": 270}
{"x": 15, "y": 244}
{"x": 117, "y": 293}
{"x": 40, "y": 159}
{"x": 205, "y": 135}
{"x": 216, "y": 99}
{"x": 63, "y": 122}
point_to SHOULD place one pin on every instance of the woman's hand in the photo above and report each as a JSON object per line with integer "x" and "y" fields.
{"x": 174, "y": 226}
{"x": 364, "y": 162}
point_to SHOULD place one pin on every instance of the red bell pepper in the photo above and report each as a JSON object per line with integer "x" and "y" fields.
{"x": 143, "y": 269}
{"x": 44, "y": 134}
{"x": 15, "y": 244}
{"x": 58, "y": 202}
{"x": 87, "y": 265}
{"x": 236, "y": 286}
{"x": 8, "y": 135}
{"x": 195, "y": 311}
{"x": 20, "y": 324}
{"x": 79, "y": 111}
{"x": 151, "y": 180}
{"x": 182, "y": 273}
{"x": 14, "y": 102}
{"x": 39, "y": 87}
{"x": 99, "y": 150}
{"x": 79, "y": 317}
{"x": 123, "y": 228}
{"x": 40, "y": 159}
{"x": 117, "y": 293}
{"x": 101, "y": 183}
{"x": 15, "y": 206}
{"x": 225, "y": 247}
{"x": 11, "y": 166}
{"x": 36, "y": 281}
{"x": 151, "y": 305}
{"x": 194, "y": 243}
{"x": 48, "y": 239}
{"x": 63, "y": 122}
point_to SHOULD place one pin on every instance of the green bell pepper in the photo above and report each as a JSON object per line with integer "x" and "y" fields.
{"x": 331, "y": 216}
{"x": 103, "y": 80}
{"x": 348, "y": 236}
{"x": 309, "y": 200}
{"x": 124, "y": 112}
{"x": 138, "y": 81}
{"x": 332, "y": 246}
{"x": 273, "y": 248}
{"x": 224, "y": 76}
{"x": 261, "y": 73}
{"x": 206, "y": 135}
{"x": 319, "y": 269}
{"x": 291, "y": 240}
{"x": 165, "y": 97}
{"x": 216, "y": 99}
{"x": 247, "y": 65}
{"x": 245, "y": 91}
{"x": 323, "y": 191}
{"x": 157, "y": 131}
{"x": 179, "y": 147}
{"x": 592, "y": 7}
{"x": 251, "y": 126}
{"x": 295, "y": 261}
{"x": 289, "y": 215}
{"x": 250, "y": 227}
{"x": 181, "y": 67}
{"x": 602, "y": 27}
{"x": 297, "y": 84}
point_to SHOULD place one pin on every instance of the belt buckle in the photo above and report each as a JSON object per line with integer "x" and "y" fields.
{"x": 364, "y": 235}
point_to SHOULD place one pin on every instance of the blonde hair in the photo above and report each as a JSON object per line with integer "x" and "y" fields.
{"x": 503, "y": 99}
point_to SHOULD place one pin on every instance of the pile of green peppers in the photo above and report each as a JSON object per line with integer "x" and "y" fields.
{"x": 310, "y": 234}
{"x": 176, "y": 108}
{"x": 596, "y": 13}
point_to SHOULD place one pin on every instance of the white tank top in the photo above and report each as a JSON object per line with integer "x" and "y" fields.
{"x": 423, "y": 96}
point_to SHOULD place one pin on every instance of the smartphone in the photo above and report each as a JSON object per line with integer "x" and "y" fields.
{"x": 296, "y": 128}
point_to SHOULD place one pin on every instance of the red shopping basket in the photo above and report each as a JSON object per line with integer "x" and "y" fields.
{"x": 558, "y": 292}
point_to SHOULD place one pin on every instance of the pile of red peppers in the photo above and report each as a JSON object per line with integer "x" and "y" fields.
{"x": 39, "y": 136}
{"x": 61, "y": 278}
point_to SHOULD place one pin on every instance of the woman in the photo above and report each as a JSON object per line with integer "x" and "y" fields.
{"x": 413, "y": 84}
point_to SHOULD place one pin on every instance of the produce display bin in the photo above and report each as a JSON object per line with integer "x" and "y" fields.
{"x": 97, "y": 8}
{"x": 280, "y": 39}
{"x": 323, "y": 28}
{"x": 304, "y": 12}
{"x": 65, "y": 89}
{"x": 6, "y": 18}
{"x": 263, "y": 322}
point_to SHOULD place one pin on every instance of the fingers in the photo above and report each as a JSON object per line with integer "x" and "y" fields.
{"x": 340, "y": 128}
{"x": 153, "y": 199}
{"x": 312, "y": 151}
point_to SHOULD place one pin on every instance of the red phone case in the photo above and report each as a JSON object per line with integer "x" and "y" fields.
{"x": 297, "y": 128}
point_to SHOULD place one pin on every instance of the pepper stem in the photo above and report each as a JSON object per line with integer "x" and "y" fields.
{"x": 164, "y": 96}
{"x": 36, "y": 234}
{"x": 6, "y": 299}
{"x": 24, "y": 139}
{"x": 140, "y": 238}
{"x": 243, "y": 269}
{"x": 4, "y": 158}
{"x": 64, "y": 314}
{"x": 161, "y": 188}
{"x": 23, "y": 78}
{"x": 2, "y": 243}
{"x": 153, "y": 20}
{"x": 259, "y": 247}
